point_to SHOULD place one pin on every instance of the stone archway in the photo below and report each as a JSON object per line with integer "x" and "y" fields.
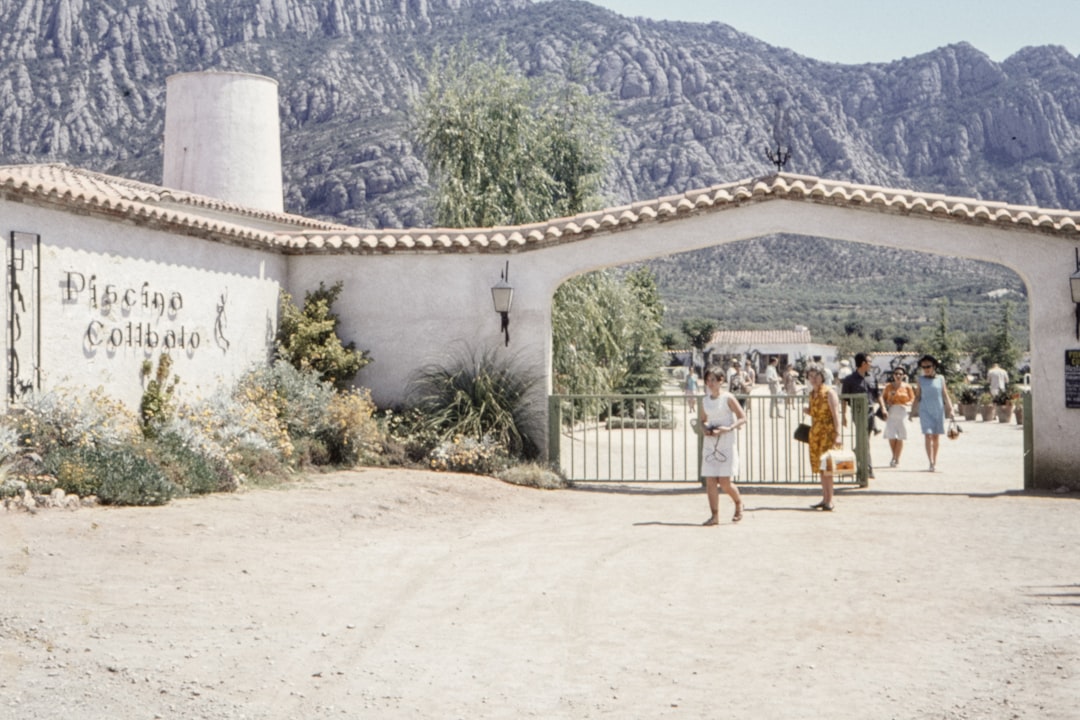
{"x": 453, "y": 270}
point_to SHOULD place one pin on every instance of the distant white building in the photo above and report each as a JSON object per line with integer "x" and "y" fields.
{"x": 759, "y": 345}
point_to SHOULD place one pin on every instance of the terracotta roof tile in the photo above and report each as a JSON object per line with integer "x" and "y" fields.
{"x": 752, "y": 338}
{"x": 83, "y": 190}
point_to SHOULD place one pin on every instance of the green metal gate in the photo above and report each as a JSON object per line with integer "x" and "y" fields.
{"x": 649, "y": 438}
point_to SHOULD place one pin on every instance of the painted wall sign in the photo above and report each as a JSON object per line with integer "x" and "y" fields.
{"x": 143, "y": 300}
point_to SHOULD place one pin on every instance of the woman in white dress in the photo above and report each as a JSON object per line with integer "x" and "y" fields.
{"x": 720, "y": 416}
{"x": 897, "y": 398}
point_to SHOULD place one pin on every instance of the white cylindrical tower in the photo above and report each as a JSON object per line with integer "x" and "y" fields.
{"x": 223, "y": 138}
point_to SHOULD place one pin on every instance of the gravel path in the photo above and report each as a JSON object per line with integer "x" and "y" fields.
{"x": 402, "y": 594}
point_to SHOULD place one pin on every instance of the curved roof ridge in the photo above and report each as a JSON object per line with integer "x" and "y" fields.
{"x": 75, "y": 188}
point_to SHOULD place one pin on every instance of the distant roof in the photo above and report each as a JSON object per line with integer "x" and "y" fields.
{"x": 86, "y": 192}
{"x": 753, "y": 338}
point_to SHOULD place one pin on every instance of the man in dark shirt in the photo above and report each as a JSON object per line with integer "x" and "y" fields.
{"x": 860, "y": 382}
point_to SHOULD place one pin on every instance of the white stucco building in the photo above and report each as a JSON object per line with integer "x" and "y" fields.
{"x": 105, "y": 273}
{"x": 759, "y": 345}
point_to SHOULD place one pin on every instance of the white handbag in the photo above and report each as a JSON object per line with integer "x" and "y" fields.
{"x": 838, "y": 462}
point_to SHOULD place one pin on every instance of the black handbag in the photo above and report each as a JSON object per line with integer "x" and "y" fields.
{"x": 802, "y": 433}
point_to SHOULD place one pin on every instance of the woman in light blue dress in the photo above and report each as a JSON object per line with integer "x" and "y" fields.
{"x": 934, "y": 406}
{"x": 720, "y": 416}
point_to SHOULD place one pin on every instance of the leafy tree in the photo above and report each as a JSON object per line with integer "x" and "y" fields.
{"x": 586, "y": 344}
{"x": 944, "y": 344}
{"x": 1001, "y": 349}
{"x": 699, "y": 331}
{"x": 644, "y": 351}
{"x": 900, "y": 341}
{"x": 505, "y": 149}
{"x": 853, "y": 327}
{"x": 307, "y": 338}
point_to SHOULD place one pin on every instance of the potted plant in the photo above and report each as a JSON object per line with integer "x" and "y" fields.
{"x": 968, "y": 397}
{"x": 1003, "y": 401}
{"x": 1018, "y": 407}
{"x": 987, "y": 408}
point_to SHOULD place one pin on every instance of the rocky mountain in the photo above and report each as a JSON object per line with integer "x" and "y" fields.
{"x": 83, "y": 81}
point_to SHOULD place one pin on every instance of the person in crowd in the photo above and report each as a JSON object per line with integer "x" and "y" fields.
{"x": 731, "y": 372}
{"x": 691, "y": 389}
{"x": 999, "y": 379}
{"x": 860, "y": 382}
{"x": 738, "y": 383}
{"x": 751, "y": 375}
{"x": 791, "y": 382}
{"x": 844, "y": 371}
{"x": 720, "y": 415}
{"x": 826, "y": 372}
{"x": 897, "y": 398}
{"x": 772, "y": 378}
{"x": 824, "y": 412}
{"x": 935, "y": 405}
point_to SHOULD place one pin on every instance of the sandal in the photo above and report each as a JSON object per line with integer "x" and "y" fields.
{"x": 738, "y": 513}
{"x": 711, "y": 521}
{"x": 827, "y": 507}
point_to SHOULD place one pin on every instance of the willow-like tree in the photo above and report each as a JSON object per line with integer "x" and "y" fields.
{"x": 503, "y": 149}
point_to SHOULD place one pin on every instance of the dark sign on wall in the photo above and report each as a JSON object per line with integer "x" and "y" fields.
{"x": 1072, "y": 378}
{"x": 23, "y": 281}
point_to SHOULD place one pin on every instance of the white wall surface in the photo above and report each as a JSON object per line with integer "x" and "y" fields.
{"x": 408, "y": 308}
{"x": 114, "y": 295}
{"x": 411, "y": 309}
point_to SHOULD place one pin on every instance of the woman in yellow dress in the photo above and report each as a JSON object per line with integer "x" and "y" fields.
{"x": 824, "y": 412}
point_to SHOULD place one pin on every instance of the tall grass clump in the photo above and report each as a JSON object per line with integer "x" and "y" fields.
{"x": 479, "y": 397}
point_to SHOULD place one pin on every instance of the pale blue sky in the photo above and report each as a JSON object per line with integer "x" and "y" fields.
{"x": 856, "y": 31}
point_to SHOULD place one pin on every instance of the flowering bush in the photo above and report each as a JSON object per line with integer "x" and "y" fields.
{"x": 117, "y": 475}
{"x": 9, "y": 443}
{"x": 66, "y": 417}
{"x": 332, "y": 427}
{"x": 349, "y": 430}
{"x": 245, "y": 420}
{"x": 89, "y": 444}
{"x": 405, "y": 438}
{"x": 464, "y": 454}
{"x": 156, "y": 408}
{"x": 195, "y": 468}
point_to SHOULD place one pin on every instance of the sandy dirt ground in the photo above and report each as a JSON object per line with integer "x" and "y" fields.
{"x": 403, "y": 594}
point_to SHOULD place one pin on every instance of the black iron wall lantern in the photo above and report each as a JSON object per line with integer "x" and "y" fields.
{"x": 1074, "y": 286}
{"x": 503, "y": 295}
